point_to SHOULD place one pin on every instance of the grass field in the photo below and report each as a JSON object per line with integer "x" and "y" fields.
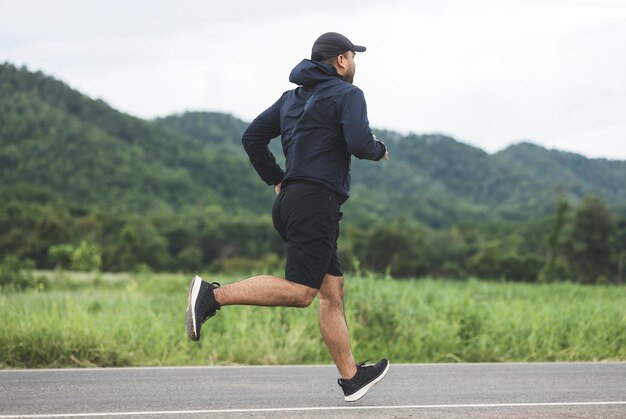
{"x": 137, "y": 320}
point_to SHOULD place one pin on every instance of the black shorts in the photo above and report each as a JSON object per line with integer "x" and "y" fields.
{"x": 306, "y": 215}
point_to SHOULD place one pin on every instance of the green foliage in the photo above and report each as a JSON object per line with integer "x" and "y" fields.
{"x": 400, "y": 246}
{"x": 18, "y": 274}
{"x": 555, "y": 267}
{"x": 137, "y": 320}
{"x": 86, "y": 257}
{"x": 140, "y": 242}
{"x": 492, "y": 260}
{"x": 58, "y": 140}
{"x": 214, "y": 129}
{"x": 543, "y": 173}
{"x": 573, "y": 249}
{"x": 589, "y": 248}
{"x": 618, "y": 250}
{"x": 60, "y": 255}
{"x": 190, "y": 258}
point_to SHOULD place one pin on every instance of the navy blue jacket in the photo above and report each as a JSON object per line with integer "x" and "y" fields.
{"x": 321, "y": 123}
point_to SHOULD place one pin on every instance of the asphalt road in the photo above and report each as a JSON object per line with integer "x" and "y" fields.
{"x": 423, "y": 390}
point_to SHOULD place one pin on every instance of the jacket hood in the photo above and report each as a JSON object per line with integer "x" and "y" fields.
{"x": 310, "y": 73}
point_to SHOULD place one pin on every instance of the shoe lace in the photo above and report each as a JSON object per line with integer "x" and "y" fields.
{"x": 217, "y": 284}
{"x": 362, "y": 363}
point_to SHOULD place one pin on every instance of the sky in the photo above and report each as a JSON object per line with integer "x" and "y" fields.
{"x": 489, "y": 73}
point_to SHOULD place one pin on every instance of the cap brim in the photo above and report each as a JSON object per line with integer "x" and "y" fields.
{"x": 359, "y": 48}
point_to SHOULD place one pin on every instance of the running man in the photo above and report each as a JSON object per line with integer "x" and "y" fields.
{"x": 322, "y": 123}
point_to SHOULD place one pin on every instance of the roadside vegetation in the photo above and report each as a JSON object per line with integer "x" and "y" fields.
{"x": 86, "y": 320}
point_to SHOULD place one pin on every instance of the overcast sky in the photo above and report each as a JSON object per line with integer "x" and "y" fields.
{"x": 487, "y": 72}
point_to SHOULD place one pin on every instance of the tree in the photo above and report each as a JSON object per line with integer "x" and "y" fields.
{"x": 60, "y": 255}
{"x": 619, "y": 249}
{"x": 400, "y": 247}
{"x": 86, "y": 257}
{"x": 140, "y": 243}
{"x": 17, "y": 274}
{"x": 189, "y": 259}
{"x": 589, "y": 247}
{"x": 555, "y": 267}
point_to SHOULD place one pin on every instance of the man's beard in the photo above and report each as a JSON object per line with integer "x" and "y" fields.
{"x": 349, "y": 77}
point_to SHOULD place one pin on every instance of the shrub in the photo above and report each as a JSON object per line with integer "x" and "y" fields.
{"x": 60, "y": 255}
{"x": 86, "y": 257}
{"x": 18, "y": 274}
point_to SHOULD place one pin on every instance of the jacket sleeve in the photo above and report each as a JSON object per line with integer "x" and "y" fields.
{"x": 356, "y": 130}
{"x": 256, "y": 139}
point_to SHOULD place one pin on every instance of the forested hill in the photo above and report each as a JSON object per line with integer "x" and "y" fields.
{"x": 440, "y": 181}
{"x": 57, "y": 142}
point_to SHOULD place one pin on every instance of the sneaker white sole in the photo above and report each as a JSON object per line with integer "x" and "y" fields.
{"x": 356, "y": 396}
{"x": 194, "y": 290}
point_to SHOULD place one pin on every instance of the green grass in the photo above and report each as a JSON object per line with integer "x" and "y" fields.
{"x": 124, "y": 320}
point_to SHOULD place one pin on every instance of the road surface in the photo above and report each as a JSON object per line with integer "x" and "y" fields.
{"x": 507, "y": 390}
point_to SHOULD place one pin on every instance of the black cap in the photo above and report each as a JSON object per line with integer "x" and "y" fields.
{"x": 332, "y": 44}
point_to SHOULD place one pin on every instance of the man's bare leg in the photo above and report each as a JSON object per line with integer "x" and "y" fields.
{"x": 265, "y": 290}
{"x": 332, "y": 320}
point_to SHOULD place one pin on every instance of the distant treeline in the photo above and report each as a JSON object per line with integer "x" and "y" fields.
{"x": 585, "y": 243}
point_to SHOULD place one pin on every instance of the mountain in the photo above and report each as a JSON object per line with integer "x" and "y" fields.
{"x": 574, "y": 174}
{"x": 215, "y": 130}
{"x": 57, "y": 142}
{"x": 440, "y": 180}
{"x": 55, "y": 139}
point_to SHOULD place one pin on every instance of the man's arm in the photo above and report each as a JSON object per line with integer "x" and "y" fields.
{"x": 256, "y": 140}
{"x": 356, "y": 130}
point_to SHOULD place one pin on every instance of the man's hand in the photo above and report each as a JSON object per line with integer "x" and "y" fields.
{"x": 277, "y": 188}
{"x": 386, "y": 156}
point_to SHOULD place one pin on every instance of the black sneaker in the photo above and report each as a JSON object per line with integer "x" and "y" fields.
{"x": 366, "y": 376}
{"x": 201, "y": 305}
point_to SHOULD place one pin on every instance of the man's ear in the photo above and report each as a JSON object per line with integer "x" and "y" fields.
{"x": 341, "y": 61}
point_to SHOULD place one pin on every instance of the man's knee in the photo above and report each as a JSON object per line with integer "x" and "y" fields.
{"x": 306, "y": 297}
{"x": 332, "y": 289}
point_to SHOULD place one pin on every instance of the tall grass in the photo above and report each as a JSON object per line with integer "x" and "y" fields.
{"x": 123, "y": 320}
